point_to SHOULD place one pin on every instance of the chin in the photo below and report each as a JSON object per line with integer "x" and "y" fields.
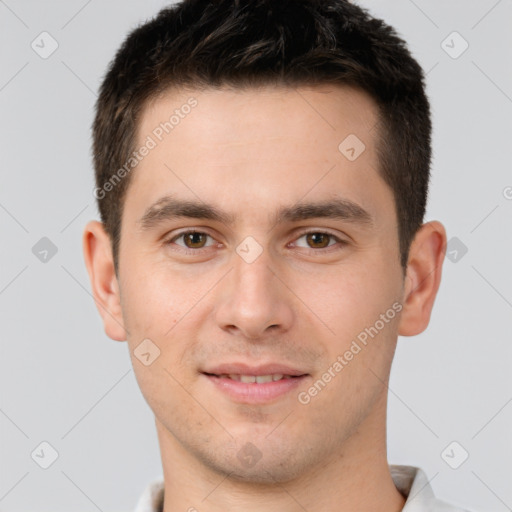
{"x": 256, "y": 460}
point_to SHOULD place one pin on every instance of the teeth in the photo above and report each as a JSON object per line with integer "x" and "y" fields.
{"x": 260, "y": 379}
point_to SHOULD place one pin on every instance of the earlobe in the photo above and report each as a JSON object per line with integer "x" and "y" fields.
{"x": 105, "y": 288}
{"x": 423, "y": 278}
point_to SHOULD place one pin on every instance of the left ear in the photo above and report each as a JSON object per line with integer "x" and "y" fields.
{"x": 423, "y": 277}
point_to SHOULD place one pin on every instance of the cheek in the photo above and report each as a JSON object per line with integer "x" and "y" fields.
{"x": 155, "y": 316}
{"x": 360, "y": 307}
{"x": 361, "y": 350}
{"x": 350, "y": 300}
{"x": 153, "y": 300}
{"x": 159, "y": 306}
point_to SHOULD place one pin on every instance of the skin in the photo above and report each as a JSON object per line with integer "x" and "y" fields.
{"x": 250, "y": 152}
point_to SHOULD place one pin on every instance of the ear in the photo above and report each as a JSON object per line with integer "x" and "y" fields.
{"x": 423, "y": 277}
{"x": 105, "y": 288}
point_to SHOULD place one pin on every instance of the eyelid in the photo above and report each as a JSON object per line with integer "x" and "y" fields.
{"x": 326, "y": 231}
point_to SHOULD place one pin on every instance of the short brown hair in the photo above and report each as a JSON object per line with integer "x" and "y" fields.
{"x": 239, "y": 43}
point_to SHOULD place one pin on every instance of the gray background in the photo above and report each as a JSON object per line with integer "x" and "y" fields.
{"x": 64, "y": 382}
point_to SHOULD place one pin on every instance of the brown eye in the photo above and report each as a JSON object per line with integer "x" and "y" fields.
{"x": 318, "y": 240}
{"x": 194, "y": 240}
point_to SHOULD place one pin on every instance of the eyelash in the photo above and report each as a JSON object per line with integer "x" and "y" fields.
{"x": 188, "y": 251}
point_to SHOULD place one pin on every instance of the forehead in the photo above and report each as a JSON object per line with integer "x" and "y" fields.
{"x": 261, "y": 112}
{"x": 272, "y": 143}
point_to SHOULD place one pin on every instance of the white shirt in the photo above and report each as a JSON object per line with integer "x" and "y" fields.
{"x": 411, "y": 481}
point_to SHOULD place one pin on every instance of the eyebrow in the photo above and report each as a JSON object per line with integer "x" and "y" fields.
{"x": 171, "y": 208}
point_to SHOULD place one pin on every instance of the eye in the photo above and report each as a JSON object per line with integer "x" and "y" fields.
{"x": 192, "y": 239}
{"x": 318, "y": 240}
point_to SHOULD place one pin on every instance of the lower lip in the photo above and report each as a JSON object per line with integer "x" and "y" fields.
{"x": 254, "y": 393}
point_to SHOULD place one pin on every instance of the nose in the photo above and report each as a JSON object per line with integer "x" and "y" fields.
{"x": 253, "y": 301}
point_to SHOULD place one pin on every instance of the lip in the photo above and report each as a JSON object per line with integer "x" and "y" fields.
{"x": 252, "y": 392}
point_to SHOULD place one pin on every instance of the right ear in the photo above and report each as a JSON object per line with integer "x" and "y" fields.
{"x": 105, "y": 287}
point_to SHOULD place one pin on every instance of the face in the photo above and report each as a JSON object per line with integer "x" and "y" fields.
{"x": 250, "y": 237}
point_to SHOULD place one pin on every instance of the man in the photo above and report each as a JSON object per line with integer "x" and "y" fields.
{"x": 261, "y": 173}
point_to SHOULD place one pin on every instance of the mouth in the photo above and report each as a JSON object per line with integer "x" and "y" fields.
{"x": 255, "y": 389}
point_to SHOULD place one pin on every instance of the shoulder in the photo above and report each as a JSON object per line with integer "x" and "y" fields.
{"x": 413, "y": 483}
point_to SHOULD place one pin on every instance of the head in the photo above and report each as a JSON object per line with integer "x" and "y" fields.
{"x": 293, "y": 138}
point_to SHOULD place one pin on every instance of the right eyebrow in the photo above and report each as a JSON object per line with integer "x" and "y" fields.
{"x": 168, "y": 208}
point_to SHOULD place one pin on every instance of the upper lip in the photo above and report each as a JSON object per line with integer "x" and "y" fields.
{"x": 245, "y": 369}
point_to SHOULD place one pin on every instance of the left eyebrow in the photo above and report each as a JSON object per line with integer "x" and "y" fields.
{"x": 339, "y": 209}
